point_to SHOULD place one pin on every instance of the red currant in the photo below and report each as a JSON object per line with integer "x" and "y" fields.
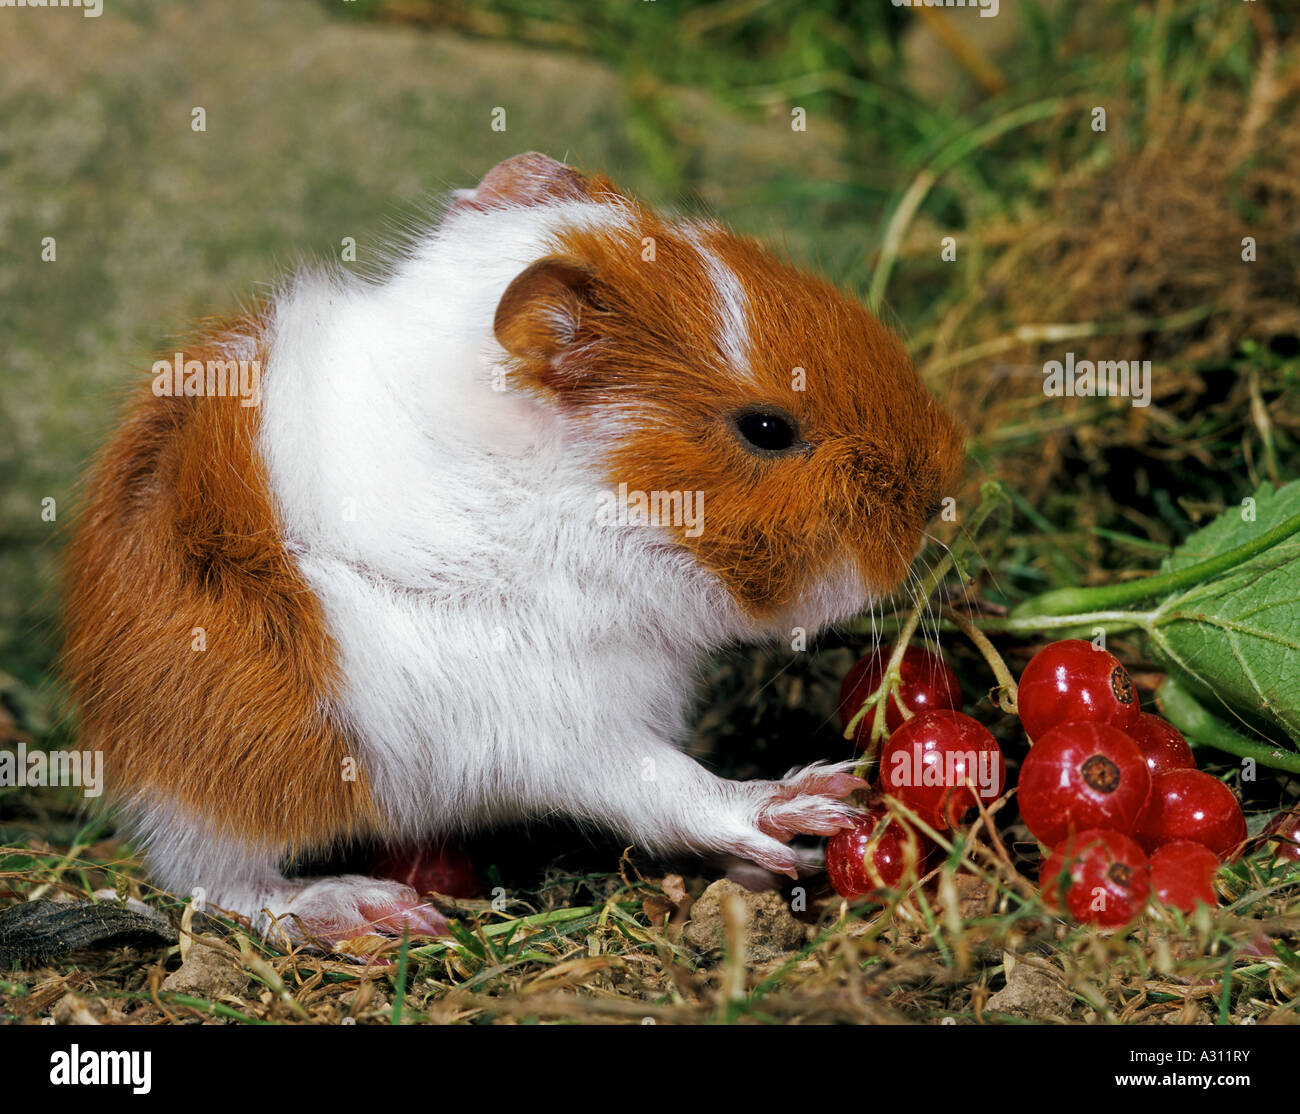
{"x": 1162, "y": 744}
{"x": 1284, "y": 836}
{"x": 929, "y": 761}
{"x": 876, "y": 852}
{"x": 1182, "y": 874}
{"x": 1190, "y": 804}
{"x": 926, "y": 682}
{"x": 440, "y": 867}
{"x": 1073, "y": 680}
{"x": 1102, "y": 875}
{"x": 1080, "y": 776}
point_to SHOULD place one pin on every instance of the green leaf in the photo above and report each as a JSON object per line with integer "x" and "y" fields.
{"x": 1234, "y": 639}
{"x": 467, "y": 939}
{"x": 1267, "y": 507}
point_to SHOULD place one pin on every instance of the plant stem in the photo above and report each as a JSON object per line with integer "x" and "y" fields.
{"x": 1064, "y": 600}
{"x": 399, "y": 991}
{"x": 889, "y": 682}
{"x": 533, "y": 920}
{"x": 1183, "y": 710}
{"x": 991, "y": 497}
{"x": 1112, "y": 622}
{"x": 1007, "y": 691}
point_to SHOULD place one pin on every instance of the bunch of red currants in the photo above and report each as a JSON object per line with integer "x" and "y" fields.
{"x": 1111, "y": 791}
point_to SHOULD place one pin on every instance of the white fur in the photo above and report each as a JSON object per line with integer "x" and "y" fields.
{"x": 732, "y": 304}
{"x": 223, "y": 876}
{"x": 508, "y": 650}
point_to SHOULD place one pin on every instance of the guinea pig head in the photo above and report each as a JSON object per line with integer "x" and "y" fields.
{"x": 709, "y": 375}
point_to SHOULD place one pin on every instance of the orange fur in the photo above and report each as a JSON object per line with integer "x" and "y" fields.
{"x": 642, "y": 335}
{"x": 180, "y": 533}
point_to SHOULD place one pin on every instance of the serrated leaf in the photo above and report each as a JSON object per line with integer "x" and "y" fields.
{"x": 1231, "y": 528}
{"x": 1235, "y": 639}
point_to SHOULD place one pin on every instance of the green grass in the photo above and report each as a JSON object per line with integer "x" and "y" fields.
{"x": 914, "y": 958}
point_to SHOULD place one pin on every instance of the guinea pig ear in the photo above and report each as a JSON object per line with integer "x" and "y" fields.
{"x": 541, "y": 311}
{"x": 528, "y": 179}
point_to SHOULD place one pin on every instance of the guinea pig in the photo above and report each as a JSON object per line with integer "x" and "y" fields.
{"x": 411, "y": 556}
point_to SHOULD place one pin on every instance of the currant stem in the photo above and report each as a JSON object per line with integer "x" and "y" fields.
{"x": 1008, "y": 691}
{"x": 991, "y": 497}
{"x": 1112, "y": 622}
{"x": 888, "y": 683}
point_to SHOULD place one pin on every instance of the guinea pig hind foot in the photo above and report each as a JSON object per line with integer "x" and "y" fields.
{"x": 342, "y": 907}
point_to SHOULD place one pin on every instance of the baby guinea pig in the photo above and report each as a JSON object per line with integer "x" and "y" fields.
{"x": 451, "y": 552}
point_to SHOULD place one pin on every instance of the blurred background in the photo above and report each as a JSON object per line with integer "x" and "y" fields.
{"x": 326, "y": 120}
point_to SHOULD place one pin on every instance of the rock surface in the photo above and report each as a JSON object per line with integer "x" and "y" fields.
{"x": 769, "y": 928}
{"x": 208, "y": 972}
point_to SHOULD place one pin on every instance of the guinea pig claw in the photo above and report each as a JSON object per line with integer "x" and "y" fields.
{"x": 768, "y": 854}
{"x": 392, "y": 918}
{"x": 834, "y": 780}
{"x": 842, "y": 785}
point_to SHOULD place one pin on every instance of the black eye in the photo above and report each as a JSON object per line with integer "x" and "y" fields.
{"x": 765, "y": 432}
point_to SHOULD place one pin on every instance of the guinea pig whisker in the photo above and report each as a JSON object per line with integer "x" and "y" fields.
{"x": 949, "y": 597}
{"x": 914, "y": 585}
{"x": 930, "y": 633}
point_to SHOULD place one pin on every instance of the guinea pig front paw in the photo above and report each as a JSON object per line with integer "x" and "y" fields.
{"x": 804, "y": 802}
{"x": 350, "y": 905}
{"x": 810, "y": 801}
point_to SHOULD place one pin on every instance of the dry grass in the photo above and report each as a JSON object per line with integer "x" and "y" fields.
{"x": 937, "y": 953}
{"x": 1132, "y": 249}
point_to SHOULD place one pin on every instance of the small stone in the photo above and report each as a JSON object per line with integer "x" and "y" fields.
{"x": 1033, "y": 993}
{"x": 208, "y": 972}
{"x": 74, "y": 1010}
{"x": 770, "y": 929}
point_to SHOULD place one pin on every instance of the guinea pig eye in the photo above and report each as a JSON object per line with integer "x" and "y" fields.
{"x": 766, "y": 432}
